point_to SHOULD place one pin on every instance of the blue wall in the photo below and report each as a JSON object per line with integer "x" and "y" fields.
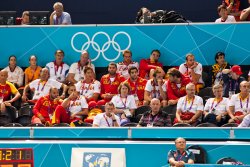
{"x": 105, "y": 43}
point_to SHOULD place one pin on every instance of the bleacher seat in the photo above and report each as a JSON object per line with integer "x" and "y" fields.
{"x": 13, "y": 125}
{"x": 181, "y": 125}
{"x": 131, "y": 124}
{"x": 36, "y": 125}
{"x": 230, "y": 125}
{"x": 206, "y": 125}
{"x": 199, "y": 153}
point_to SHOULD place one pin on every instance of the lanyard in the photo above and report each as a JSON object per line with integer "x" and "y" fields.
{"x": 182, "y": 155}
{"x": 39, "y": 86}
{"x": 153, "y": 120}
{"x": 83, "y": 87}
{"x": 108, "y": 121}
{"x": 241, "y": 106}
{"x": 213, "y": 107}
{"x": 124, "y": 104}
{"x": 185, "y": 105}
{"x": 231, "y": 86}
{"x": 56, "y": 67}
{"x": 80, "y": 68}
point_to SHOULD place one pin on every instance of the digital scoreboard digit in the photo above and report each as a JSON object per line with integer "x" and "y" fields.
{"x": 16, "y": 157}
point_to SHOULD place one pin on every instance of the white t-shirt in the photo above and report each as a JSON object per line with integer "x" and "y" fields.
{"x": 235, "y": 102}
{"x": 215, "y": 108}
{"x": 154, "y": 90}
{"x": 42, "y": 89}
{"x": 88, "y": 89}
{"x": 59, "y": 74}
{"x": 16, "y": 76}
{"x": 122, "y": 68}
{"x": 187, "y": 71}
{"x": 104, "y": 121}
{"x": 184, "y": 105}
{"x": 229, "y": 19}
{"x": 126, "y": 103}
{"x": 78, "y": 71}
{"x": 77, "y": 106}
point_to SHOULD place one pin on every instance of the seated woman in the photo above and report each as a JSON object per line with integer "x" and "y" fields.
{"x": 33, "y": 71}
{"x": 189, "y": 107}
{"x": 72, "y": 109}
{"x": 215, "y": 110}
{"x": 124, "y": 103}
{"x": 15, "y": 73}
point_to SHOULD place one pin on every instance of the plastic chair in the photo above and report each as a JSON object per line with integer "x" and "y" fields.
{"x": 206, "y": 125}
{"x": 227, "y": 161}
{"x": 4, "y": 119}
{"x": 206, "y": 92}
{"x": 12, "y": 112}
{"x": 36, "y": 125}
{"x": 142, "y": 110}
{"x": 181, "y": 125}
{"x": 199, "y": 154}
{"x": 13, "y": 125}
{"x": 24, "y": 120}
{"x": 230, "y": 125}
{"x": 61, "y": 125}
{"x": 26, "y": 110}
{"x": 130, "y": 125}
{"x": 171, "y": 111}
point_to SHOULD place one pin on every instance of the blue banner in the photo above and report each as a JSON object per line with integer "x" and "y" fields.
{"x": 106, "y": 43}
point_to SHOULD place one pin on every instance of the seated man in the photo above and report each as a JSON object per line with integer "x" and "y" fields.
{"x": 216, "y": 110}
{"x": 59, "y": 17}
{"x": 193, "y": 70}
{"x": 108, "y": 118}
{"x": 217, "y": 68}
{"x": 76, "y": 70}
{"x": 137, "y": 85}
{"x": 189, "y": 107}
{"x": 40, "y": 87}
{"x": 245, "y": 14}
{"x": 74, "y": 108}
{"x": 89, "y": 87}
{"x": 148, "y": 66}
{"x": 180, "y": 156}
{"x": 176, "y": 85}
{"x": 58, "y": 70}
{"x": 6, "y": 90}
{"x": 110, "y": 83}
{"x": 123, "y": 67}
{"x": 45, "y": 106}
{"x": 155, "y": 88}
{"x": 239, "y": 104}
{"x": 231, "y": 80}
{"x": 224, "y": 17}
{"x": 155, "y": 117}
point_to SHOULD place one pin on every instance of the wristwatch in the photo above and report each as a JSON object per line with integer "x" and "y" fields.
{"x": 114, "y": 120}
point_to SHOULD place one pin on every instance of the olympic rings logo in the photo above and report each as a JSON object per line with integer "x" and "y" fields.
{"x": 101, "y": 49}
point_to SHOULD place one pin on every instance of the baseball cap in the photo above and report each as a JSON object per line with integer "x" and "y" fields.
{"x": 236, "y": 69}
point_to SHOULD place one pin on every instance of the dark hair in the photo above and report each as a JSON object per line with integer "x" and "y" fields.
{"x": 110, "y": 104}
{"x": 155, "y": 73}
{"x": 12, "y": 56}
{"x": 218, "y": 54}
{"x": 156, "y": 50}
{"x": 221, "y": 7}
{"x": 132, "y": 68}
{"x": 86, "y": 69}
{"x": 174, "y": 72}
{"x": 124, "y": 84}
{"x": 139, "y": 15}
{"x": 59, "y": 51}
{"x": 112, "y": 64}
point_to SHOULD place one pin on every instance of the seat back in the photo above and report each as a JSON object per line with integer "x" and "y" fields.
{"x": 199, "y": 154}
{"x": 26, "y": 110}
{"x": 13, "y": 125}
{"x": 130, "y": 125}
{"x": 4, "y": 119}
{"x": 24, "y": 120}
{"x": 206, "y": 125}
{"x": 230, "y": 125}
{"x": 36, "y": 125}
{"x": 227, "y": 161}
{"x": 181, "y": 125}
{"x": 61, "y": 125}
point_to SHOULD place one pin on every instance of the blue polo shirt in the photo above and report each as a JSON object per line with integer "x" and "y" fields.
{"x": 185, "y": 156}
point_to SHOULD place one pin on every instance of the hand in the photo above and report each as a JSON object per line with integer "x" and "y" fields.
{"x": 172, "y": 102}
{"x": 53, "y": 13}
{"x": 24, "y": 98}
{"x": 113, "y": 116}
{"x": 7, "y": 103}
{"x": 41, "y": 118}
{"x": 195, "y": 65}
{"x": 62, "y": 96}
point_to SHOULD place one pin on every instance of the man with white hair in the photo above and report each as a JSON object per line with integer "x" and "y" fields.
{"x": 189, "y": 107}
{"x": 59, "y": 17}
{"x": 76, "y": 70}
